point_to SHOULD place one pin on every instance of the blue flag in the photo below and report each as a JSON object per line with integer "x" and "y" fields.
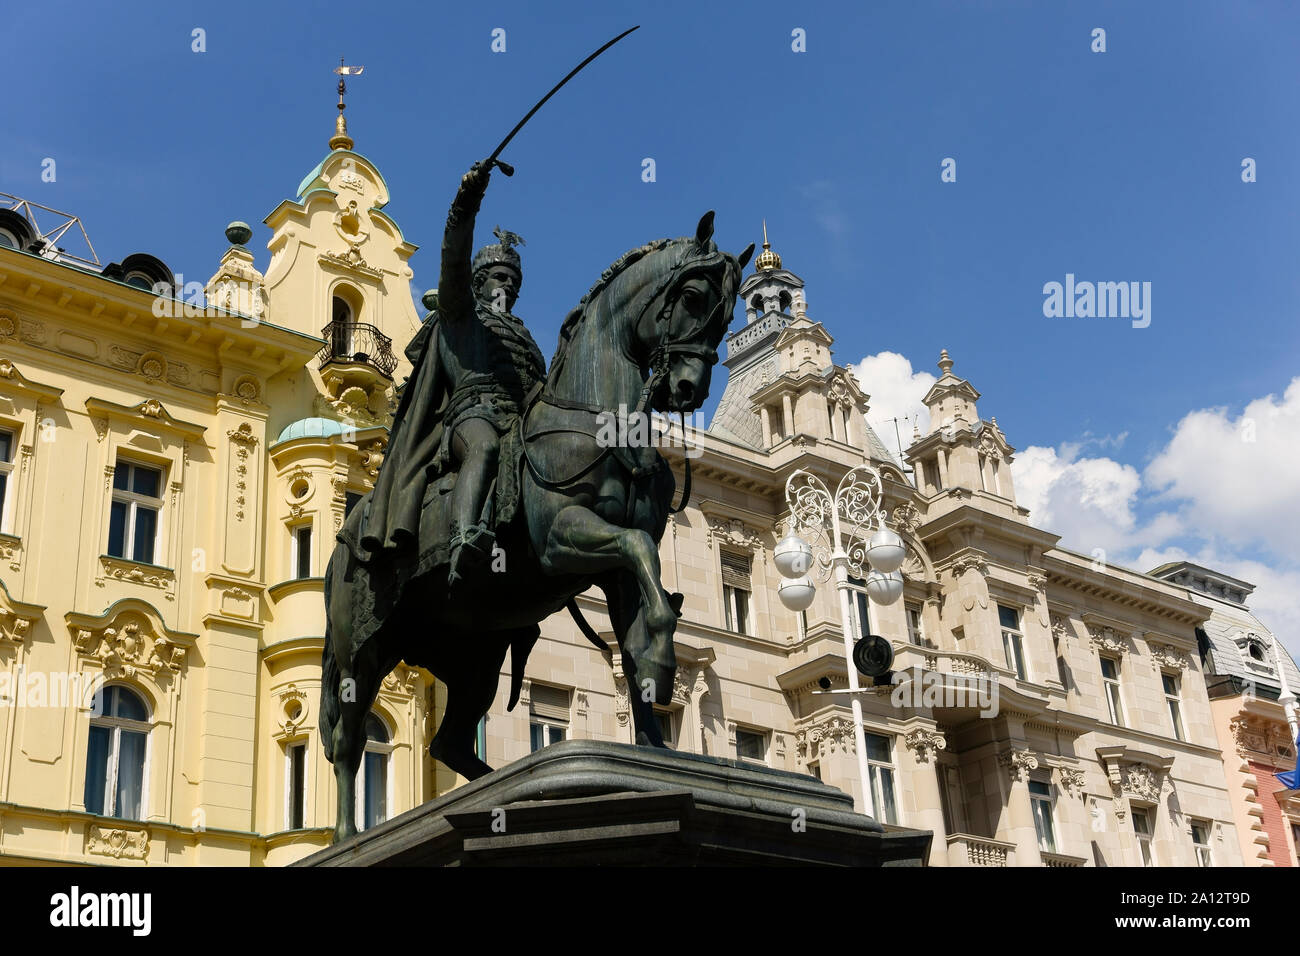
{"x": 1291, "y": 778}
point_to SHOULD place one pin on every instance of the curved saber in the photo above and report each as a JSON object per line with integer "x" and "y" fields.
{"x": 509, "y": 170}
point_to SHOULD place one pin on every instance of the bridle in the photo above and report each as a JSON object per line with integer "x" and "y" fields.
{"x": 660, "y": 362}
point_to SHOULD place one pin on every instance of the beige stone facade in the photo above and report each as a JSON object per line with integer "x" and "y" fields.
{"x": 255, "y": 424}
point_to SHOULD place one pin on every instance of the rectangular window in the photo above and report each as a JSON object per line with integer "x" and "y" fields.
{"x": 549, "y": 720}
{"x": 914, "y": 633}
{"x": 133, "y": 513}
{"x": 859, "y": 608}
{"x": 302, "y": 551}
{"x": 1013, "y": 644}
{"x": 1170, "y": 683}
{"x": 297, "y": 785}
{"x": 6, "y": 469}
{"x": 1201, "y": 841}
{"x": 1142, "y": 830}
{"x": 815, "y": 769}
{"x": 880, "y": 767}
{"x": 666, "y": 726}
{"x": 751, "y": 745}
{"x": 1040, "y": 796}
{"x": 480, "y": 739}
{"x": 736, "y": 591}
{"x": 1110, "y": 682}
{"x": 950, "y": 798}
{"x": 803, "y": 625}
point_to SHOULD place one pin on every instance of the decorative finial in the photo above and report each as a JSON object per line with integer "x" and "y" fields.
{"x": 916, "y": 431}
{"x": 945, "y": 363}
{"x": 767, "y": 259}
{"x": 239, "y": 233}
{"x": 341, "y": 139}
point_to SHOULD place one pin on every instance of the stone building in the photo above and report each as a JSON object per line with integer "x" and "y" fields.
{"x": 174, "y": 464}
{"x": 1243, "y": 662}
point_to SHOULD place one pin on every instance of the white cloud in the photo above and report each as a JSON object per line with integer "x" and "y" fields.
{"x": 1221, "y": 493}
{"x": 1089, "y": 502}
{"x": 895, "y": 392}
{"x": 1237, "y": 476}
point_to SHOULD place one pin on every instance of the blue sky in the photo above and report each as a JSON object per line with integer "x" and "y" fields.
{"x": 1115, "y": 166}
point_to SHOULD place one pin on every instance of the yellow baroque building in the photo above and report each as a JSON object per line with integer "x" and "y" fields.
{"x": 174, "y": 465}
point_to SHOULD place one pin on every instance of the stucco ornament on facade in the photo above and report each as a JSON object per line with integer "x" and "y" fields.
{"x": 925, "y": 743}
{"x": 905, "y": 518}
{"x": 734, "y": 532}
{"x": 1071, "y": 780}
{"x": 829, "y": 735}
{"x": 1108, "y": 639}
{"x": 1165, "y": 656}
{"x": 129, "y": 649}
{"x": 1018, "y": 761}
{"x": 117, "y": 842}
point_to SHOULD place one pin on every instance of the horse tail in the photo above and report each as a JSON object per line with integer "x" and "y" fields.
{"x": 588, "y": 631}
{"x": 329, "y": 685}
{"x": 521, "y": 645}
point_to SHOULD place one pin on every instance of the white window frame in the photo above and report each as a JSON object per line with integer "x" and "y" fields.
{"x": 133, "y": 500}
{"x": 7, "y": 469}
{"x": 1111, "y": 690}
{"x": 295, "y": 544}
{"x": 874, "y": 771}
{"x": 663, "y": 714}
{"x": 289, "y": 748}
{"x": 1145, "y": 844}
{"x": 1014, "y": 638}
{"x": 386, "y": 750}
{"x": 915, "y": 634}
{"x": 117, "y": 725}
{"x": 1174, "y": 704}
{"x": 1204, "y": 853}
{"x": 761, "y": 734}
{"x": 731, "y": 609}
{"x": 1044, "y": 810}
{"x": 859, "y": 601}
{"x": 549, "y": 727}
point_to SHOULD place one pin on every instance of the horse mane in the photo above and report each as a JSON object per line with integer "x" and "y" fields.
{"x": 616, "y": 267}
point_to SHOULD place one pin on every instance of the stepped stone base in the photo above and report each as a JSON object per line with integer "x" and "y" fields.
{"x": 581, "y": 802}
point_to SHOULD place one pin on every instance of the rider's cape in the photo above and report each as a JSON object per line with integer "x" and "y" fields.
{"x": 388, "y": 519}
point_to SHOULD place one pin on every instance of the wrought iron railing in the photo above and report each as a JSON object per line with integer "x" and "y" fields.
{"x": 358, "y": 342}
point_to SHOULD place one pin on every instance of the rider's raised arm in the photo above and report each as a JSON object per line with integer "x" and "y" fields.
{"x": 455, "y": 290}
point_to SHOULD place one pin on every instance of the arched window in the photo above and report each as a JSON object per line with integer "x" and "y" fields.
{"x": 373, "y": 786}
{"x": 8, "y": 240}
{"x": 784, "y": 300}
{"x": 756, "y": 303}
{"x": 341, "y": 334}
{"x": 115, "y": 754}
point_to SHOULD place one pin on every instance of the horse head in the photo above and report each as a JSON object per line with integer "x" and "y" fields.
{"x": 666, "y": 306}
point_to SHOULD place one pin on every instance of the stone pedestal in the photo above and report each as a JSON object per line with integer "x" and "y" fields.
{"x": 581, "y": 802}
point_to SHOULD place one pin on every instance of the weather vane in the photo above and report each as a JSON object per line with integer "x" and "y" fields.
{"x": 341, "y": 139}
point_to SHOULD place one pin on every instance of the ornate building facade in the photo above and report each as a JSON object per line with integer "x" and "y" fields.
{"x": 173, "y": 469}
{"x": 1244, "y": 667}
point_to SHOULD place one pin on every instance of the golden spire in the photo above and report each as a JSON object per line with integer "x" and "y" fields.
{"x": 341, "y": 139}
{"x": 767, "y": 259}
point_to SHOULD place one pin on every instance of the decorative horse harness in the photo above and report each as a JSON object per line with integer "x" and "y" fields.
{"x": 660, "y": 361}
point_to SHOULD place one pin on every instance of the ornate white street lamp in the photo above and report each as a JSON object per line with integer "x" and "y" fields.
{"x": 848, "y": 535}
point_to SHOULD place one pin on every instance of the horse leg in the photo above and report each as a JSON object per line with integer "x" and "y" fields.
{"x": 471, "y": 688}
{"x": 581, "y": 542}
{"x": 626, "y": 614}
{"x": 359, "y": 683}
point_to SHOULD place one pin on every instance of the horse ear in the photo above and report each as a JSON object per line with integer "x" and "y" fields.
{"x": 744, "y": 256}
{"x": 704, "y": 231}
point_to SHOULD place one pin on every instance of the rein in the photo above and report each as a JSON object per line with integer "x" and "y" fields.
{"x": 659, "y": 362}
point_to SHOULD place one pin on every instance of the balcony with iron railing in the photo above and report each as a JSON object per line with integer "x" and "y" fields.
{"x": 357, "y": 343}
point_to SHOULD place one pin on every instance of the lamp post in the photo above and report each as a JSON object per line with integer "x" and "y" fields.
{"x": 848, "y": 532}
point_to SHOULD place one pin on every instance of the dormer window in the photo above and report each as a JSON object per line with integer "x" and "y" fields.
{"x": 1256, "y": 650}
{"x": 8, "y": 240}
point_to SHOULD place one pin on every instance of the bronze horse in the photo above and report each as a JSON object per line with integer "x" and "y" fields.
{"x": 644, "y": 338}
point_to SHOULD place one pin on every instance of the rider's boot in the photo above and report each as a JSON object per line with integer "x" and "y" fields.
{"x": 470, "y": 549}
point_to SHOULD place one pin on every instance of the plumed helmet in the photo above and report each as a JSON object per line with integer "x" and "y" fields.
{"x": 500, "y": 253}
